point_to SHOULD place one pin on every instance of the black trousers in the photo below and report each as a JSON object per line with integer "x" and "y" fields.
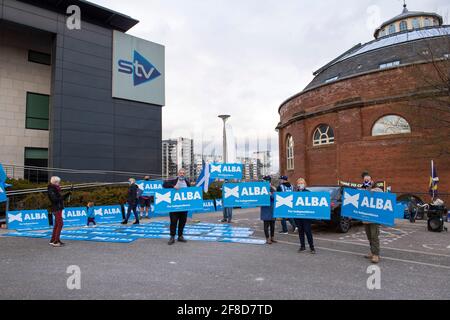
{"x": 177, "y": 218}
{"x": 304, "y": 227}
{"x": 269, "y": 225}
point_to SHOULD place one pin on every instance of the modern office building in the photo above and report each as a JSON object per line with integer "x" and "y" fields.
{"x": 382, "y": 106}
{"x": 177, "y": 154}
{"x": 263, "y": 163}
{"x": 84, "y": 99}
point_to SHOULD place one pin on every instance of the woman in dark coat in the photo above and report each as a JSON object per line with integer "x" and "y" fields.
{"x": 57, "y": 206}
{"x": 267, "y": 215}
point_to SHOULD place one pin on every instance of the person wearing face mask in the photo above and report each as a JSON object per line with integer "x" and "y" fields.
{"x": 372, "y": 229}
{"x": 304, "y": 225}
{"x": 178, "y": 219}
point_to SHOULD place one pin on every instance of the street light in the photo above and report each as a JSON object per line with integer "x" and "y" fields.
{"x": 224, "y": 118}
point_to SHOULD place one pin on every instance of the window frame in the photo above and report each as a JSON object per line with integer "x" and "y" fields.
{"x": 390, "y": 134}
{"x": 30, "y": 59}
{"x": 290, "y": 154}
{"x": 28, "y": 93}
{"x": 403, "y": 25}
{"x": 320, "y": 142}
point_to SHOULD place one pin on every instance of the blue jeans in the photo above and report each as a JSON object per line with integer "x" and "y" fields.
{"x": 284, "y": 224}
{"x": 227, "y": 214}
{"x": 134, "y": 208}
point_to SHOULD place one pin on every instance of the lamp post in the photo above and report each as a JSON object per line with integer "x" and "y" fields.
{"x": 224, "y": 118}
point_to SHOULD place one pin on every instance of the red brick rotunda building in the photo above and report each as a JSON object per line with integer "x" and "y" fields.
{"x": 383, "y": 106}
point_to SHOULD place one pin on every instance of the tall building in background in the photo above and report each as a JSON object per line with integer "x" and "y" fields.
{"x": 177, "y": 154}
{"x": 250, "y": 167}
{"x": 263, "y": 163}
{"x": 169, "y": 158}
{"x": 198, "y": 160}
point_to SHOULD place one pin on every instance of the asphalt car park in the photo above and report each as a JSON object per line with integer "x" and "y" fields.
{"x": 415, "y": 264}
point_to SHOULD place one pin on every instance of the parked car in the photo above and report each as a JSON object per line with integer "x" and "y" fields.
{"x": 413, "y": 206}
{"x": 342, "y": 224}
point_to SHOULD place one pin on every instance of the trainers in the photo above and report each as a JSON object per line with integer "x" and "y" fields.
{"x": 182, "y": 239}
{"x": 56, "y": 244}
{"x": 313, "y": 251}
{"x": 301, "y": 249}
{"x": 283, "y": 232}
{"x": 223, "y": 220}
{"x": 171, "y": 241}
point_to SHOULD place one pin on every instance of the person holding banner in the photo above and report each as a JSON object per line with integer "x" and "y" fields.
{"x": 285, "y": 186}
{"x": 144, "y": 203}
{"x": 178, "y": 218}
{"x": 372, "y": 229}
{"x": 132, "y": 198}
{"x": 267, "y": 215}
{"x": 57, "y": 206}
{"x": 304, "y": 225}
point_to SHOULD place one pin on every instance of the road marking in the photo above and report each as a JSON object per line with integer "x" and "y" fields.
{"x": 382, "y": 258}
{"x": 382, "y": 247}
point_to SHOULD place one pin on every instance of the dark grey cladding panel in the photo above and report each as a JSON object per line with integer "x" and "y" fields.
{"x": 32, "y": 16}
{"x": 92, "y": 49}
{"x": 82, "y": 90}
{"x": 99, "y": 151}
{"x": 69, "y": 55}
{"x": 90, "y": 129}
{"x": 84, "y": 105}
{"x": 86, "y": 70}
{"x": 91, "y": 81}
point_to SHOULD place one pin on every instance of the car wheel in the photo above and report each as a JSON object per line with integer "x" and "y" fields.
{"x": 344, "y": 225}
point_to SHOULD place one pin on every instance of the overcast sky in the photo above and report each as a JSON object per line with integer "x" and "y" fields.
{"x": 245, "y": 57}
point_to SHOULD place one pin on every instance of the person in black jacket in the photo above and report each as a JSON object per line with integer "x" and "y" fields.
{"x": 57, "y": 206}
{"x": 304, "y": 225}
{"x": 177, "y": 218}
{"x": 132, "y": 201}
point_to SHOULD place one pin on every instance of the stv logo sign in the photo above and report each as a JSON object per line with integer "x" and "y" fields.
{"x": 142, "y": 70}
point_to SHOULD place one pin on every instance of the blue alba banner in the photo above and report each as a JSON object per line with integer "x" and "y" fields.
{"x": 3, "y": 196}
{"x": 208, "y": 207}
{"x": 219, "y": 204}
{"x": 246, "y": 194}
{"x": 149, "y": 187}
{"x": 74, "y": 217}
{"x": 374, "y": 207}
{"x": 28, "y": 220}
{"x": 226, "y": 171}
{"x": 108, "y": 214}
{"x": 302, "y": 205}
{"x": 172, "y": 200}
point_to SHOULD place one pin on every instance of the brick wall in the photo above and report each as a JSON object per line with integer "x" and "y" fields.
{"x": 402, "y": 160}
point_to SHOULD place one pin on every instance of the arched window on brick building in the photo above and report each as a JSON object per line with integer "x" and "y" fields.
{"x": 290, "y": 152}
{"x": 390, "y": 124}
{"x": 323, "y": 135}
